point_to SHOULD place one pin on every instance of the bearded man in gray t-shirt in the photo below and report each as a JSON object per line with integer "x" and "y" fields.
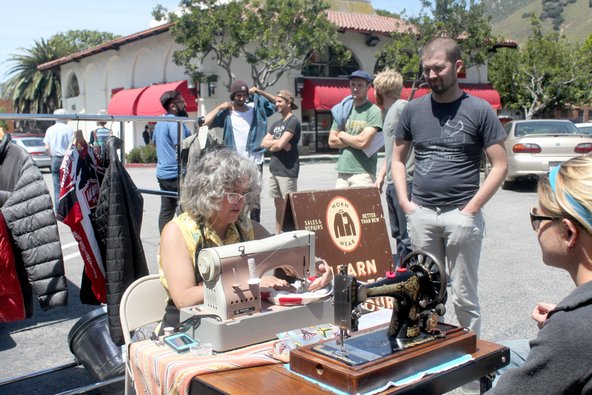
{"x": 449, "y": 131}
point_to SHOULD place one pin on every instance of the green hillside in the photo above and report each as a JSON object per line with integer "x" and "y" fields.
{"x": 508, "y": 21}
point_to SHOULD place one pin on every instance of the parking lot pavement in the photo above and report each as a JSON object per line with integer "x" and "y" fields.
{"x": 512, "y": 280}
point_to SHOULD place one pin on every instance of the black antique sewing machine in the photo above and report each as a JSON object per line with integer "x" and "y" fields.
{"x": 419, "y": 291}
{"x": 413, "y": 340}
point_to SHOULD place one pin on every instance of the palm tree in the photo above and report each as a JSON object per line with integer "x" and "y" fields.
{"x": 31, "y": 90}
{"x": 39, "y": 91}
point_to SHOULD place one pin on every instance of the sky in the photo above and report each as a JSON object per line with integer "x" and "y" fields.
{"x": 24, "y": 22}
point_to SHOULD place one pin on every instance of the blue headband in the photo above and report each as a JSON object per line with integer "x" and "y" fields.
{"x": 578, "y": 208}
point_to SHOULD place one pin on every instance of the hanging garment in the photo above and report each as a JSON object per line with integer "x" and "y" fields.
{"x": 80, "y": 180}
{"x": 119, "y": 219}
{"x": 28, "y": 211}
{"x": 12, "y": 305}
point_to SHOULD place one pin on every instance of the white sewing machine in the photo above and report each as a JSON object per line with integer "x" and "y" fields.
{"x": 231, "y": 291}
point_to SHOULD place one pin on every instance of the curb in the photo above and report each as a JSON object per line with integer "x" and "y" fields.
{"x": 320, "y": 158}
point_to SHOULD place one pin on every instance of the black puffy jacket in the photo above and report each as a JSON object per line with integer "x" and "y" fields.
{"x": 27, "y": 208}
{"x": 119, "y": 218}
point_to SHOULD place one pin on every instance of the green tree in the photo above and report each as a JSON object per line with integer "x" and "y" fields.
{"x": 389, "y": 13}
{"x": 74, "y": 41}
{"x": 39, "y": 91}
{"x": 440, "y": 18}
{"x": 541, "y": 76}
{"x": 31, "y": 90}
{"x": 584, "y": 59}
{"x": 272, "y": 36}
{"x": 3, "y": 123}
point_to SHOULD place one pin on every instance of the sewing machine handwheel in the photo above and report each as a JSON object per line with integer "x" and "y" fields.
{"x": 208, "y": 264}
{"x": 436, "y": 270}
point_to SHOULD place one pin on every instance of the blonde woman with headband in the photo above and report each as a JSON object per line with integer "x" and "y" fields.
{"x": 560, "y": 357}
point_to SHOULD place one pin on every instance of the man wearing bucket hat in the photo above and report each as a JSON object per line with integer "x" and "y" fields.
{"x": 244, "y": 124}
{"x": 282, "y": 142}
{"x": 356, "y": 121}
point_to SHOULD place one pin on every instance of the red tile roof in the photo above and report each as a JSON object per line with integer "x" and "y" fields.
{"x": 345, "y": 21}
{"x": 370, "y": 23}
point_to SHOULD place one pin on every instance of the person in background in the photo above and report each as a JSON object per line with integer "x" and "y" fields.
{"x": 559, "y": 359}
{"x": 449, "y": 131}
{"x": 216, "y": 196}
{"x": 146, "y": 135}
{"x": 99, "y": 135}
{"x": 356, "y": 121}
{"x": 166, "y": 138}
{"x": 282, "y": 143}
{"x": 388, "y": 85}
{"x": 58, "y": 139}
{"x": 244, "y": 124}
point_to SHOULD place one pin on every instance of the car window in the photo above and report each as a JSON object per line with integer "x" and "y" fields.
{"x": 585, "y": 129}
{"x": 32, "y": 142}
{"x": 530, "y": 128}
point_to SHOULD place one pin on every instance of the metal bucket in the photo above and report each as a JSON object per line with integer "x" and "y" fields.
{"x": 91, "y": 344}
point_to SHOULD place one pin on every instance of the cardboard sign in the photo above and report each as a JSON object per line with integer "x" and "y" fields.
{"x": 350, "y": 230}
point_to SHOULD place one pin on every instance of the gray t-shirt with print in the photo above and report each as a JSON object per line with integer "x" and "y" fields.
{"x": 448, "y": 139}
{"x": 285, "y": 163}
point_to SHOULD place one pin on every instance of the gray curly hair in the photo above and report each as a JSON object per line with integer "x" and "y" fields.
{"x": 218, "y": 171}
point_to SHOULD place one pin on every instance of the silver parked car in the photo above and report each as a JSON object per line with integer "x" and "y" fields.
{"x": 36, "y": 147}
{"x": 536, "y": 145}
{"x": 585, "y": 127}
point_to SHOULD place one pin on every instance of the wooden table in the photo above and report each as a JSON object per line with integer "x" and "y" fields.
{"x": 276, "y": 380}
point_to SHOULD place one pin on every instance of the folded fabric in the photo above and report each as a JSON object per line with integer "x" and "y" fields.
{"x": 158, "y": 369}
{"x": 286, "y": 298}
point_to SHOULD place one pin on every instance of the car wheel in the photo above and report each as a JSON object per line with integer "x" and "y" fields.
{"x": 508, "y": 185}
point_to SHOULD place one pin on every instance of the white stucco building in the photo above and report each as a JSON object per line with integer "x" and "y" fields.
{"x": 126, "y": 76}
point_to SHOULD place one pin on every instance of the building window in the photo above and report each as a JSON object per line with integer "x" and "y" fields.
{"x": 330, "y": 63}
{"x": 72, "y": 89}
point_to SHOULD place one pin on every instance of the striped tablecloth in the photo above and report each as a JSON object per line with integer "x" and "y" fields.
{"x": 161, "y": 370}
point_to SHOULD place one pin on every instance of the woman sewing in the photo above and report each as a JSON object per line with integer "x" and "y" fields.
{"x": 216, "y": 197}
{"x": 559, "y": 361}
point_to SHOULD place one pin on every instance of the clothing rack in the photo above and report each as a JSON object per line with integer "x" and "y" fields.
{"x": 97, "y": 118}
{"x": 113, "y": 118}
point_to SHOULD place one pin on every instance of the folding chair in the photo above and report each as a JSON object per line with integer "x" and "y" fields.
{"x": 142, "y": 303}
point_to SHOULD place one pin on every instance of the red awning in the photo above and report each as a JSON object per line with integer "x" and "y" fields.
{"x": 322, "y": 94}
{"x": 484, "y": 91}
{"x": 125, "y": 102}
{"x": 149, "y": 103}
{"x": 146, "y": 101}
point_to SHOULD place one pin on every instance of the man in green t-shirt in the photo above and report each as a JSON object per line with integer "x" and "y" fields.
{"x": 356, "y": 122}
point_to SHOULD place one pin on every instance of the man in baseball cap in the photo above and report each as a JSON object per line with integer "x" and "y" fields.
{"x": 360, "y": 74}
{"x": 238, "y": 86}
{"x": 356, "y": 122}
{"x": 282, "y": 143}
{"x": 287, "y": 96}
{"x": 244, "y": 124}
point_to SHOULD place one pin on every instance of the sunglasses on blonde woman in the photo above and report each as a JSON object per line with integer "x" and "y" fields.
{"x": 535, "y": 220}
